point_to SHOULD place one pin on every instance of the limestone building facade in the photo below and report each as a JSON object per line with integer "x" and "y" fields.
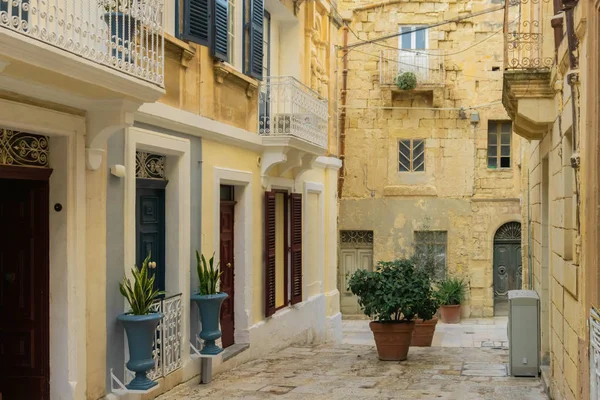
{"x": 435, "y": 166}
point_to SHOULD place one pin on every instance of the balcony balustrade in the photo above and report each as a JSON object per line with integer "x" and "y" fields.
{"x": 126, "y": 35}
{"x": 289, "y": 108}
{"x": 427, "y": 65}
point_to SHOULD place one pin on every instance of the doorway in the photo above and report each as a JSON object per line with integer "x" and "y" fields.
{"x": 24, "y": 284}
{"x": 508, "y": 271}
{"x": 356, "y": 252}
{"x": 226, "y": 252}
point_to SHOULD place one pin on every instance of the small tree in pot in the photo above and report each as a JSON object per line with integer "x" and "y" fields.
{"x": 209, "y": 301}
{"x": 450, "y": 294}
{"x": 140, "y": 323}
{"x": 392, "y": 296}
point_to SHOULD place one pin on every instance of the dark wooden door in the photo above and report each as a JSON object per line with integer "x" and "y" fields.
{"x": 228, "y": 268}
{"x": 24, "y": 290}
{"x": 150, "y": 226}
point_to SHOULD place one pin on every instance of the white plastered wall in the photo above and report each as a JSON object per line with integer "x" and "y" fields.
{"x": 67, "y": 241}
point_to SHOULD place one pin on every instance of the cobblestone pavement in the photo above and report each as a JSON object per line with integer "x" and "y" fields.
{"x": 484, "y": 332}
{"x": 354, "y": 372}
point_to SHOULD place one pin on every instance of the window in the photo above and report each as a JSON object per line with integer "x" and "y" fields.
{"x": 283, "y": 250}
{"x": 226, "y": 27}
{"x": 413, "y": 38}
{"x": 266, "y": 44}
{"x": 430, "y": 249}
{"x": 231, "y": 32}
{"x": 499, "y": 137}
{"x": 411, "y": 155}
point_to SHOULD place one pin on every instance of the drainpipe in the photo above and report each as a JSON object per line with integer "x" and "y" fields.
{"x": 342, "y": 120}
{"x": 529, "y": 259}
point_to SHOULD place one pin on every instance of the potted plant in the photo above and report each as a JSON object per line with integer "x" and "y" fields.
{"x": 209, "y": 302}
{"x": 450, "y": 293}
{"x": 140, "y": 323}
{"x": 120, "y": 18}
{"x": 426, "y": 322}
{"x": 392, "y": 296}
{"x": 406, "y": 81}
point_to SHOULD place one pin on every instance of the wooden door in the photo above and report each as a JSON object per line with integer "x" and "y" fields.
{"x": 228, "y": 267}
{"x": 507, "y": 273}
{"x": 150, "y": 226}
{"x": 352, "y": 260}
{"x": 24, "y": 290}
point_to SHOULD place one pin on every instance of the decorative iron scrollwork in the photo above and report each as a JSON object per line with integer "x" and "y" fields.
{"x": 356, "y": 237}
{"x": 23, "y": 149}
{"x": 149, "y": 166}
{"x": 509, "y": 232}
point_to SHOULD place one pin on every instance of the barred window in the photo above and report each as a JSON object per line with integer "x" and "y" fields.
{"x": 411, "y": 155}
{"x": 431, "y": 250}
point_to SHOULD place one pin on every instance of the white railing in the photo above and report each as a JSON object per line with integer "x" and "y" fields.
{"x": 287, "y": 107}
{"x": 594, "y": 354}
{"x": 166, "y": 349}
{"x": 126, "y": 35}
{"x": 427, "y": 65}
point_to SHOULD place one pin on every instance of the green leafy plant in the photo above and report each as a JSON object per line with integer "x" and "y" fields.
{"x": 396, "y": 291}
{"x": 141, "y": 293}
{"x": 208, "y": 275}
{"x": 406, "y": 81}
{"x": 451, "y": 291}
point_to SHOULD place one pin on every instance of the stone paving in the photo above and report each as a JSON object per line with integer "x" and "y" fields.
{"x": 353, "y": 371}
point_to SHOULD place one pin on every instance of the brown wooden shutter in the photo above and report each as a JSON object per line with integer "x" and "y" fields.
{"x": 269, "y": 253}
{"x": 296, "y": 247}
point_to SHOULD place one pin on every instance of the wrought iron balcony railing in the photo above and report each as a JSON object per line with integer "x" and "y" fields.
{"x": 126, "y": 35}
{"x": 287, "y": 107}
{"x": 427, "y": 65}
{"x": 524, "y": 44}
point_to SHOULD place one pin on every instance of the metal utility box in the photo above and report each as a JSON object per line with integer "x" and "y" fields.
{"x": 523, "y": 333}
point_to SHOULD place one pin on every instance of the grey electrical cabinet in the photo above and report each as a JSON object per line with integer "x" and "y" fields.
{"x": 523, "y": 333}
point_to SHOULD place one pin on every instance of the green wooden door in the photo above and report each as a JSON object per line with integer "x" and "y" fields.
{"x": 508, "y": 271}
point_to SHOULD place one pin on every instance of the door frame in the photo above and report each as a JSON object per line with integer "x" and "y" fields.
{"x": 19, "y": 173}
{"x": 493, "y": 249}
{"x": 232, "y": 297}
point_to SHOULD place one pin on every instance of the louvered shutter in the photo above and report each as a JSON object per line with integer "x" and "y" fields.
{"x": 197, "y": 21}
{"x": 220, "y": 42}
{"x": 296, "y": 247}
{"x": 269, "y": 253}
{"x": 255, "y": 35}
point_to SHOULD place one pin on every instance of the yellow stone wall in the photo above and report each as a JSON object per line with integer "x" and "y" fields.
{"x": 457, "y": 192}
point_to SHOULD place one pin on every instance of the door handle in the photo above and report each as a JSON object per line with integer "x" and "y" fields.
{"x": 228, "y": 265}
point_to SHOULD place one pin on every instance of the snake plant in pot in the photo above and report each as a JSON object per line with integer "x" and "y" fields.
{"x": 209, "y": 301}
{"x": 392, "y": 295}
{"x": 450, "y": 293}
{"x": 140, "y": 323}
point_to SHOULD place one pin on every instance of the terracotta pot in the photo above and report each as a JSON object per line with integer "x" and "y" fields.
{"x": 422, "y": 335}
{"x": 450, "y": 314}
{"x": 392, "y": 339}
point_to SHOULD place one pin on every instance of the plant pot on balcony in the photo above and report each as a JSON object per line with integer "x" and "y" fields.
{"x": 392, "y": 339}
{"x": 140, "y": 331}
{"x": 422, "y": 335}
{"x": 209, "y": 307}
{"x": 122, "y": 32}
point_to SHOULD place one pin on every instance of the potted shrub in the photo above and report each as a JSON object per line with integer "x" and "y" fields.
{"x": 140, "y": 323}
{"x": 392, "y": 296}
{"x": 450, "y": 293}
{"x": 425, "y": 326}
{"x": 209, "y": 302}
{"x": 120, "y": 18}
{"x": 406, "y": 81}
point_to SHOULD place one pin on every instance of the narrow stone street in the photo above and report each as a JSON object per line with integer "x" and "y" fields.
{"x": 454, "y": 368}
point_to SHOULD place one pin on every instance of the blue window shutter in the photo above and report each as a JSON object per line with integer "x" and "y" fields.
{"x": 197, "y": 21}
{"x": 255, "y": 35}
{"x": 220, "y": 42}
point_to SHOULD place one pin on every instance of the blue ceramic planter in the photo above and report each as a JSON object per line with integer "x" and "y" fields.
{"x": 209, "y": 307}
{"x": 140, "y": 335}
{"x": 122, "y": 31}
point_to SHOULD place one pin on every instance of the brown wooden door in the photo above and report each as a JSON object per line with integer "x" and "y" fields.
{"x": 24, "y": 290}
{"x": 228, "y": 268}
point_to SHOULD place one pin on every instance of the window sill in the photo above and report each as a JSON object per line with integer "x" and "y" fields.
{"x": 224, "y": 71}
{"x": 180, "y": 48}
{"x": 410, "y": 190}
{"x": 493, "y": 170}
